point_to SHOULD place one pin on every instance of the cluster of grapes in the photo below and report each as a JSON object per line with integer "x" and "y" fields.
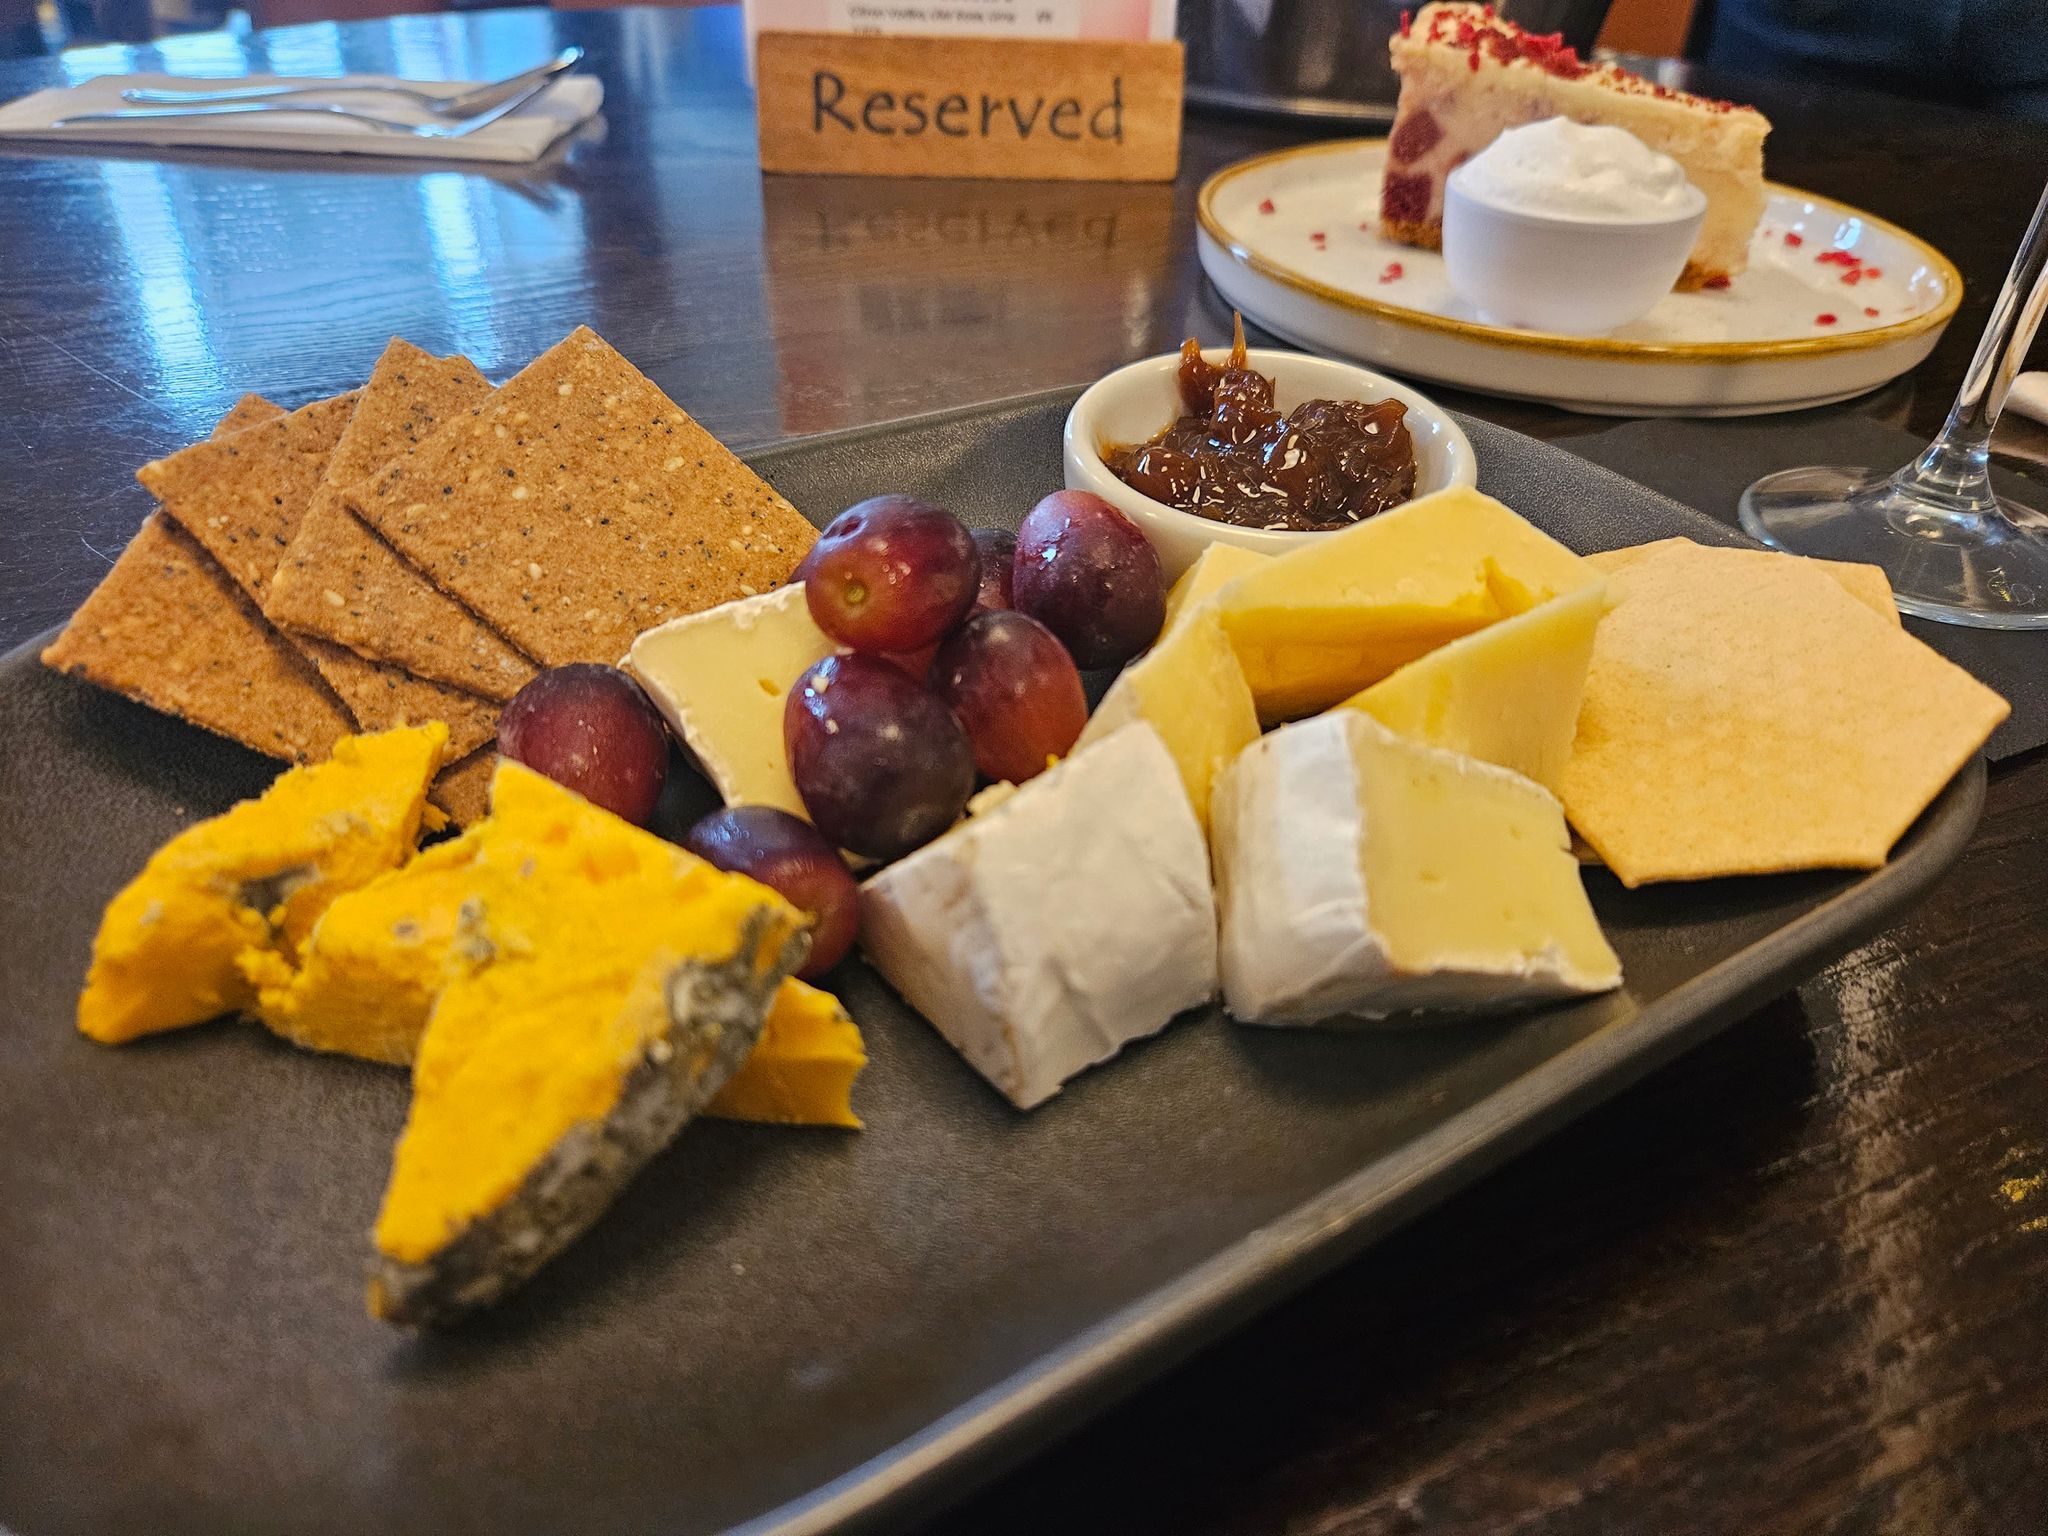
{"x": 964, "y": 652}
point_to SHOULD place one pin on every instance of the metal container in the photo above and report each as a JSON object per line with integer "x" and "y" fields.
{"x": 1327, "y": 58}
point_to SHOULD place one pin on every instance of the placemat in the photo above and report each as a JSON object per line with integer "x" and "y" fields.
{"x": 1707, "y": 464}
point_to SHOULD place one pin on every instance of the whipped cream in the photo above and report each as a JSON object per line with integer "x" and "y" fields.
{"x": 1577, "y": 171}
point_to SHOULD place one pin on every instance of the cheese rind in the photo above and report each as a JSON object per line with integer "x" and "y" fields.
{"x": 1508, "y": 694}
{"x": 721, "y": 678}
{"x": 1047, "y": 932}
{"x": 1336, "y": 615}
{"x": 1360, "y": 873}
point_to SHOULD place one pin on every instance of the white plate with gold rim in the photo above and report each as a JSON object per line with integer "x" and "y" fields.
{"x": 1289, "y": 239}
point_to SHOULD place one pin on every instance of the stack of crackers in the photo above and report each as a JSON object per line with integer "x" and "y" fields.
{"x": 418, "y": 548}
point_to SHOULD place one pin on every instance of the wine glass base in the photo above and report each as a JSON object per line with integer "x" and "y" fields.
{"x": 1989, "y": 571}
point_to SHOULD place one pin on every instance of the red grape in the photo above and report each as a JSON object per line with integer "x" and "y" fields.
{"x": 790, "y": 856}
{"x": 881, "y": 763}
{"x": 998, "y": 548}
{"x": 1086, "y": 573}
{"x": 1014, "y": 687}
{"x": 590, "y": 728}
{"x": 891, "y": 574}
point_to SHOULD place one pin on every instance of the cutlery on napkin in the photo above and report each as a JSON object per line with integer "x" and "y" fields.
{"x": 522, "y": 135}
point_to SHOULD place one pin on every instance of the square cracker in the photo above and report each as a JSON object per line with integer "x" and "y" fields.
{"x": 341, "y": 582}
{"x": 463, "y": 789}
{"x": 167, "y": 627}
{"x": 1747, "y": 716}
{"x": 241, "y": 494}
{"x": 1868, "y": 584}
{"x": 579, "y": 506}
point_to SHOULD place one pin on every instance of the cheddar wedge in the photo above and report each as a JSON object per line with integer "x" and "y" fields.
{"x": 1508, "y": 694}
{"x": 1316, "y": 625}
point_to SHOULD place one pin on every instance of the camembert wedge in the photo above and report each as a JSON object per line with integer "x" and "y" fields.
{"x": 1068, "y": 918}
{"x": 252, "y": 882}
{"x": 721, "y": 677}
{"x": 1363, "y": 874}
{"x": 1508, "y": 694}
{"x": 545, "y": 872}
{"x": 1320, "y": 623}
{"x": 568, "y": 1055}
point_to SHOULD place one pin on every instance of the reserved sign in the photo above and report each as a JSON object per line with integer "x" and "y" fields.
{"x": 1009, "y": 108}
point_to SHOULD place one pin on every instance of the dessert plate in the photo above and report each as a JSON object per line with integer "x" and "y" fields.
{"x": 784, "y": 1332}
{"x": 1289, "y": 238}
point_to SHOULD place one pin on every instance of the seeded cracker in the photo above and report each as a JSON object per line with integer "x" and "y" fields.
{"x": 1747, "y": 716}
{"x": 463, "y": 789}
{"x": 341, "y": 582}
{"x": 579, "y": 506}
{"x": 241, "y": 495}
{"x": 167, "y": 628}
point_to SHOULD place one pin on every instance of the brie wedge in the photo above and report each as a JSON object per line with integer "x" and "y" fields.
{"x": 1067, "y": 919}
{"x": 721, "y": 679}
{"x": 1362, "y": 873}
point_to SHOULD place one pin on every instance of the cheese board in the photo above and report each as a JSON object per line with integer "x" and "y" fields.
{"x": 771, "y": 1333}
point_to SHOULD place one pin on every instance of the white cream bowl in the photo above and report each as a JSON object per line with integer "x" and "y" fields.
{"x": 1134, "y": 403}
{"x": 1571, "y": 274}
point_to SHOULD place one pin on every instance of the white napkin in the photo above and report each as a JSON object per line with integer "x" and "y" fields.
{"x": 2029, "y": 396}
{"x": 520, "y": 136}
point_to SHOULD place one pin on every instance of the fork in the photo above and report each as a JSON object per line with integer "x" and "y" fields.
{"x": 466, "y": 104}
{"x": 435, "y": 130}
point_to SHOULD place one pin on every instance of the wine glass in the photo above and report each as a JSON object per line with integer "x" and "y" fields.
{"x": 1955, "y": 550}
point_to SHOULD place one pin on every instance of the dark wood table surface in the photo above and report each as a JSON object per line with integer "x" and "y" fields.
{"x": 1798, "y": 1281}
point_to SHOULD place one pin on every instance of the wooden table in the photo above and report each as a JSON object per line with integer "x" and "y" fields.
{"x": 1796, "y": 1282}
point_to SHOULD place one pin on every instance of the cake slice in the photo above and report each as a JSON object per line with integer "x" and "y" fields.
{"x": 1467, "y": 74}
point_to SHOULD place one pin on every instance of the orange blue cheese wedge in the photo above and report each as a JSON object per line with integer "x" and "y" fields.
{"x": 173, "y": 946}
{"x": 518, "y": 883}
{"x": 575, "y": 1037}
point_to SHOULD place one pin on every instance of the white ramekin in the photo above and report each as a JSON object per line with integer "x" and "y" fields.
{"x": 1547, "y": 272}
{"x": 1135, "y": 402}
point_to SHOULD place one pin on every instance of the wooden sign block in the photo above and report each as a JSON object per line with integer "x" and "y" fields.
{"x": 846, "y": 104}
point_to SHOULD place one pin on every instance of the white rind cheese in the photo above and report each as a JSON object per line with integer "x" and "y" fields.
{"x": 1067, "y": 919}
{"x": 721, "y": 679}
{"x": 1360, "y": 873}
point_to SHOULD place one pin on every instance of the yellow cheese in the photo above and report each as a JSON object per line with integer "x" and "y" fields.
{"x": 1192, "y": 690}
{"x": 251, "y": 882}
{"x": 1474, "y": 868}
{"x": 544, "y": 874}
{"x": 1508, "y": 694}
{"x": 560, "y": 990}
{"x": 1315, "y": 626}
{"x": 722, "y": 677}
{"x": 802, "y": 1072}
{"x": 1219, "y": 565}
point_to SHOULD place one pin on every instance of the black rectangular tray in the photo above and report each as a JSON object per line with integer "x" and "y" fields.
{"x": 777, "y": 1330}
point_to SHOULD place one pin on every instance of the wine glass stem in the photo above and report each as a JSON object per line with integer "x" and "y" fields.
{"x": 1955, "y": 470}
